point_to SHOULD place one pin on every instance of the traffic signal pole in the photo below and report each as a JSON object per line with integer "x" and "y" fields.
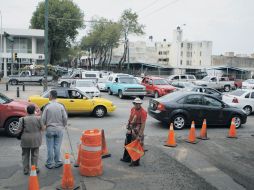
{"x": 45, "y": 86}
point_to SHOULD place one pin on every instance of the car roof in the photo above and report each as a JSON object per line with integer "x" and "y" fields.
{"x": 154, "y": 77}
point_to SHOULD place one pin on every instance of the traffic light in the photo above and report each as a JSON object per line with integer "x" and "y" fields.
{"x": 15, "y": 56}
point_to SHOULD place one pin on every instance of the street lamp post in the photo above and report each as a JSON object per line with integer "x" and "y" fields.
{"x": 45, "y": 87}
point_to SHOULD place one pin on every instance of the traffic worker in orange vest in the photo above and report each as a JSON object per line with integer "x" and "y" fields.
{"x": 135, "y": 129}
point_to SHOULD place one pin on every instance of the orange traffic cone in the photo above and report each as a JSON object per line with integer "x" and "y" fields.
{"x": 33, "y": 180}
{"x": 192, "y": 135}
{"x": 104, "y": 152}
{"x": 203, "y": 132}
{"x": 67, "y": 179}
{"x": 171, "y": 137}
{"x": 232, "y": 130}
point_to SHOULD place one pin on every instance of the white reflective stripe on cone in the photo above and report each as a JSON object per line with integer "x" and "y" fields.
{"x": 33, "y": 173}
{"x": 91, "y": 148}
{"x": 67, "y": 161}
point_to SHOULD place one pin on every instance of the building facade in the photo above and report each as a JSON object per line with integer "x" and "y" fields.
{"x": 28, "y": 44}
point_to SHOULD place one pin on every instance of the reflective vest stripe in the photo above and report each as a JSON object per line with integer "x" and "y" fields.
{"x": 136, "y": 150}
{"x": 91, "y": 148}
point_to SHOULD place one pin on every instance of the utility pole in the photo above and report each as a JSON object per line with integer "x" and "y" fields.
{"x": 45, "y": 86}
{"x": 11, "y": 39}
{"x": 128, "y": 58}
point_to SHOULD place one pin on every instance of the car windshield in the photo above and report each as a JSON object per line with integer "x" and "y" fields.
{"x": 238, "y": 92}
{"x": 84, "y": 84}
{"x": 250, "y": 81}
{"x": 206, "y": 78}
{"x": 128, "y": 80}
{"x": 160, "y": 82}
{"x": 4, "y": 99}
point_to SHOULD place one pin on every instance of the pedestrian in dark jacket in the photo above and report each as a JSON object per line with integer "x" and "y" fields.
{"x": 31, "y": 138}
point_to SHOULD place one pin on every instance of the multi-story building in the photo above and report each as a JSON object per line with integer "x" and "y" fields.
{"x": 28, "y": 44}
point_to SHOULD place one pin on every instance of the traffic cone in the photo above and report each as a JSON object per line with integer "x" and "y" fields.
{"x": 232, "y": 130}
{"x": 203, "y": 132}
{"x": 33, "y": 180}
{"x": 171, "y": 137}
{"x": 67, "y": 179}
{"x": 105, "y": 153}
{"x": 192, "y": 135}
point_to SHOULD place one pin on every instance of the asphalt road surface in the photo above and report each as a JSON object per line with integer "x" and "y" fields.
{"x": 218, "y": 163}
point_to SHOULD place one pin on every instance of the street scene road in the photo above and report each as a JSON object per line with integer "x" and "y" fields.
{"x": 217, "y": 163}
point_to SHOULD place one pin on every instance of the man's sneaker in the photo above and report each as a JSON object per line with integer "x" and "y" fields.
{"x": 59, "y": 165}
{"x": 49, "y": 167}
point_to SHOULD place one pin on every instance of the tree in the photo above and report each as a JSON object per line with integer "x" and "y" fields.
{"x": 65, "y": 18}
{"x": 102, "y": 38}
{"x": 129, "y": 24}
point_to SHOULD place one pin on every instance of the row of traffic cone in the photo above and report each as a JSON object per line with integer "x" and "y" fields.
{"x": 171, "y": 142}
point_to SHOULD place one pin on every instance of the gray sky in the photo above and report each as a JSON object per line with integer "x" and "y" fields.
{"x": 228, "y": 23}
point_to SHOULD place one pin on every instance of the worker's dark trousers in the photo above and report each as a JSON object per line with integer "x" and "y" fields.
{"x": 126, "y": 156}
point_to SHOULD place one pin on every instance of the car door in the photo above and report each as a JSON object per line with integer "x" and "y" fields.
{"x": 192, "y": 105}
{"x": 78, "y": 102}
{"x": 63, "y": 98}
{"x": 114, "y": 86}
{"x": 214, "y": 111}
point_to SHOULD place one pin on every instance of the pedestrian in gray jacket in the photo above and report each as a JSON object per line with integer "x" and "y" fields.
{"x": 54, "y": 117}
{"x": 31, "y": 138}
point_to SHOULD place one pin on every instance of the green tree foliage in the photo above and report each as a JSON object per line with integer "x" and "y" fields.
{"x": 100, "y": 41}
{"x": 65, "y": 18}
{"x": 130, "y": 26}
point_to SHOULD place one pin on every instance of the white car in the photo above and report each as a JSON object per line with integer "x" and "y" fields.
{"x": 87, "y": 86}
{"x": 101, "y": 84}
{"x": 249, "y": 84}
{"x": 241, "y": 98}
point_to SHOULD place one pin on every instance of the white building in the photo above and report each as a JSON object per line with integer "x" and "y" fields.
{"x": 28, "y": 44}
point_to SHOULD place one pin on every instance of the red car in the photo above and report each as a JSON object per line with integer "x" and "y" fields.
{"x": 157, "y": 86}
{"x": 10, "y": 112}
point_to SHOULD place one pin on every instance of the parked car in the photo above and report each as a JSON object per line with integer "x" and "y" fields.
{"x": 86, "y": 86}
{"x": 241, "y": 98}
{"x": 249, "y": 84}
{"x": 125, "y": 85}
{"x": 157, "y": 86}
{"x": 212, "y": 92}
{"x": 219, "y": 83}
{"x": 76, "y": 102}
{"x": 181, "y": 108}
{"x": 101, "y": 84}
{"x": 11, "y": 110}
{"x": 66, "y": 80}
{"x": 187, "y": 86}
{"x": 182, "y": 78}
{"x": 238, "y": 83}
{"x": 27, "y": 76}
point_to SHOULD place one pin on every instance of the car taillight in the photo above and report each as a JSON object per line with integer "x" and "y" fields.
{"x": 161, "y": 107}
{"x": 235, "y": 100}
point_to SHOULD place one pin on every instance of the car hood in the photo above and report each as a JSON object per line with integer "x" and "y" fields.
{"x": 88, "y": 89}
{"x": 200, "y": 82}
{"x": 165, "y": 87}
{"x": 131, "y": 85}
{"x": 19, "y": 103}
{"x": 102, "y": 100}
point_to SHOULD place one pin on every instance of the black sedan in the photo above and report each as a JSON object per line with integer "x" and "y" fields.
{"x": 213, "y": 92}
{"x": 181, "y": 108}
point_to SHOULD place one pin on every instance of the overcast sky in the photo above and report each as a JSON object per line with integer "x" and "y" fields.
{"x": 228, "y": 23}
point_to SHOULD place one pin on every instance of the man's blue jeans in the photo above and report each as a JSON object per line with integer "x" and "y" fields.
{"x": 54, "y": 141}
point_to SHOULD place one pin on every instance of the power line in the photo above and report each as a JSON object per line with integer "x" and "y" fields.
{"x": 149, "y": 5}
{"x": 71, "y": 19}
{"x": 161, "y": 8}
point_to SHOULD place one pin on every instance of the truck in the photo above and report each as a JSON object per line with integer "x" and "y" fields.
{"x": 219, "y": 83}
{"x": 125, "y": 85}
{"x": 27, "y": 76}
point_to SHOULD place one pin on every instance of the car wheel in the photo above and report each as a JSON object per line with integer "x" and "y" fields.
{"x": 179, "y": 122}
{"x": 141, "y": 97}
{"x": 120, "y": 94}
{"x": 12, "y": 126}
{"x": 226, "y": 88}
{"x": 14, "y": 82}
{"x": 99, "y": 111}
{"x": 238, "y": 121}
{"x": 64, "y": 84}
{"x": 156, "y": 94}
{"x": 109, "y": 91}
{"x": 247, "y": 110}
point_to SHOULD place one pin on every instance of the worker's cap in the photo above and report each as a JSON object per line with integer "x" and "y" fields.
{"x": 137, "y": 101}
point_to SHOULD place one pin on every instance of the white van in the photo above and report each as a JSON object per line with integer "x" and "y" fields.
{"x": 91, "y": 74}
{"x": 182, "y": 78}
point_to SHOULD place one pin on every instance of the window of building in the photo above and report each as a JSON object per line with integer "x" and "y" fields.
{"x": 181, "y": 62}
{"x": 40, "y": 46}
{"x": 182, "y": 45}
{"x": 188, "y": 45}
{"x": 199, "y": 62}
{"x": 181, "y": 53}
{"x": 200, "y": 53}
{"x": 201, "y": 44}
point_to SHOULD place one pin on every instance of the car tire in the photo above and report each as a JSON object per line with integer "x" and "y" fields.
{"x": 120, "y": 94}
{"x": 248, "y": 110}
{"x": 227, "y": 88}
{"x": 99, "y": 111}
{"x": 11, "y": 126}
{"x": 64, "y": 84}
{"x": 141, "y": 97}
{"x": 109, "y": 91}
{"x": 13, "y": 82}
{"x": 156, "y": 94}
{"x": 238, "y": 121}
{"x": 179, "y": 121}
